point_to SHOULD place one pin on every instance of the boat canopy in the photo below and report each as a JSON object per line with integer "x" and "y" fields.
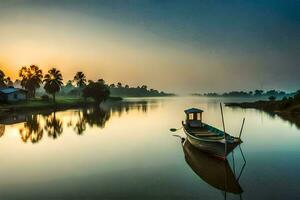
{"x": 193, "y": 110}
{"x": 194, "y": 117}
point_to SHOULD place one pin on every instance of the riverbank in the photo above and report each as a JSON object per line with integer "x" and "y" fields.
{"x": 269, "y": 106}
{"x": 62, "y": 103}
{"x": 288, "y": 108}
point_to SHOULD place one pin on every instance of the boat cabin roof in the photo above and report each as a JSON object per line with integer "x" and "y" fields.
{"x": 193, "y": 110}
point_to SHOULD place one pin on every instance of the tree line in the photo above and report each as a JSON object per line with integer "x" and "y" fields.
{"x": 273, "y": 94}
{"x": 32, "y": 78}
{"x": 35, "y": 81}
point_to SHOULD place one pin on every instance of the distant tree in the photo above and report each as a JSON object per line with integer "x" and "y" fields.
{"x": 97, "y": 91}
{"x": 258, "y": 92}
{"x": 282, "y": 93}
{"x": 112, "y": 86}
{"x": 296, "y": 98}
{"x": 101, "y": 81}
{"x": 2, "y": 79}
{"x": 272, "y": 98}
{"x": 53, "y": 82}
{"x": 272, "y": 93}
{"x": 69, "y": 84}
{"x": 9, "y": 82}
{"x": 80, "y": 79}
{"x": 284, "y": 99}
{"x": 68, "y": 87}
{"x": 126, "y": 86}
{"x": 144, "y": 87}
{"x": 31, "y": 78}
{"x": 119, "y": 85}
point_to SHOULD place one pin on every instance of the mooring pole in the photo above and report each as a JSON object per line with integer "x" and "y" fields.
{"x": 224, "y": 130}
{"x": 242, "y": 128}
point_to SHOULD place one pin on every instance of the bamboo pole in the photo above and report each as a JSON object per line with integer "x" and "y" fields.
{"x": 224, "y": 130}
{"x": 242, "y": 128}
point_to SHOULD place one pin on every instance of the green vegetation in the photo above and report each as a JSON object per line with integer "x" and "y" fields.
{"x": 287, "y": 105}
{"x": 4, "y": 81}
{"x": 255, "y": 94}
{"x": 98, "y": 91}
{"x": 139, "y": 91}
{"x": 287, "y": 108}
{"x": 66, "y": 96}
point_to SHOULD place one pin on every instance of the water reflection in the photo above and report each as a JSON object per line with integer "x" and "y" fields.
{"x": 2, "y": 130}
{"x": 215, "y": 172}
{"x": 53, "y": 126}
{"x": 80, "y": 125}
{"x": 124, "y": 107}
{"x": 32, "y": 130}
{"x": 34, "y": 125}
{"x": 95, "y": 117}
{"x": 292, "y": 118}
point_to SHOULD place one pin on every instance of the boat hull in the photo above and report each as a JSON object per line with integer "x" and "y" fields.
{"x": 213, "y": 147}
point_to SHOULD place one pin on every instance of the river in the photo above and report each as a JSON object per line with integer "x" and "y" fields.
{"x": 126, "y": 151}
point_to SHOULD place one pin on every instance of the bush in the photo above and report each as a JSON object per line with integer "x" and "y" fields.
{"x": 272, "y": 98}
{"x": 97, "y": 91}
{"x": 45, "y": 97}
{"x": 284, "y": 99}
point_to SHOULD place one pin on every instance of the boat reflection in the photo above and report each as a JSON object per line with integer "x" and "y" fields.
{"x": 215, "y": 172}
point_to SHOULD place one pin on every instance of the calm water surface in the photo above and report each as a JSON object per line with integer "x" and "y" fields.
{"x": 126, "y": 151}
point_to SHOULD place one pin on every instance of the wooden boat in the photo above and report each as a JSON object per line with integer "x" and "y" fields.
{"x": 206, "y": 137}
{"x": 215, "y": 172}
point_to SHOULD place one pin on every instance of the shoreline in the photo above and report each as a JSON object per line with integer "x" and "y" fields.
{"x": 287, "y": 112}
{"x": 267, "y": 106}
{"x": 33, "y": 106}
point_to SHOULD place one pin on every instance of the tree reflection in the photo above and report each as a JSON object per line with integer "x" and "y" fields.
{"x": 95, "y": 117}
{"x": 80, "y": 125}
{"x": 35, "y": 124}
{"x": 53, "y": 126}
{"x": 125, "y": 107}
{"x": 32, "y": 130}
{"x": 2, "y": 130}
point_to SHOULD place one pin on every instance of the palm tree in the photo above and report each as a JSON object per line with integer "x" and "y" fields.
{"x": 80, "y": 79}
{"x": 31, "y": 78}
{"x": 53, "y": 82}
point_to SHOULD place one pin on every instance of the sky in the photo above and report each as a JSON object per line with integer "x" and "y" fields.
{"x": 171, "y": 45}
